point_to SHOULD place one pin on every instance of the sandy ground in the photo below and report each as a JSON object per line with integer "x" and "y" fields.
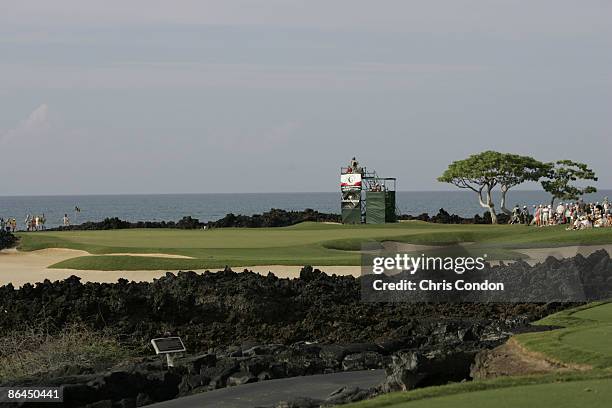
{"x": 540, "y": 254}
{"x": 289, "y": 271}
{"x": 19, "y": 268}
{"x": 512, "y": 359}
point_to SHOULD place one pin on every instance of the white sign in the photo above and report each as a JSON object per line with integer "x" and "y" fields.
{"x": 350, "y": 180}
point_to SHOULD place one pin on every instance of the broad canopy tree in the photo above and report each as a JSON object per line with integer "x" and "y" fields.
{"x": 514, "y": 170}
{"x": 478, "y": 173}
{"x": 560, "y": 176}
{"x": 482, "y": 172}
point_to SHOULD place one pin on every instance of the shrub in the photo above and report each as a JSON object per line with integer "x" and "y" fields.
{"x": 7, "y": 240}
{"x": 32, "y": 351}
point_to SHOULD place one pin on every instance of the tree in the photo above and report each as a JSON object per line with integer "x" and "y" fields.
{"x": 514, "y": 170}
{"x": 479, "y": 173}
{"x": 560, "y": 176}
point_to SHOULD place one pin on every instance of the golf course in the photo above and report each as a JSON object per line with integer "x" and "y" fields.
{"x": 581, "y": 349}
{"x": 309, "y": 243}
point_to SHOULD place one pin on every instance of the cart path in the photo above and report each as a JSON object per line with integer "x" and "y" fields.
{"x": 268, "y": 393}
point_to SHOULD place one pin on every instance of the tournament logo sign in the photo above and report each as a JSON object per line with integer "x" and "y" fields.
{"x": 350, "y": 181}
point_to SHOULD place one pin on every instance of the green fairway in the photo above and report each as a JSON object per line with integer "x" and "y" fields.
{"x": 587, "y": 393}
{"x": 585, "y": 339}
{"x": 307, "y": 243}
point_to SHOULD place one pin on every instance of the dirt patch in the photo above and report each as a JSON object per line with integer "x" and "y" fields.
{"x": 512, "y": 359}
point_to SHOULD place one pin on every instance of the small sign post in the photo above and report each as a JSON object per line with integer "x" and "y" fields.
{"x": 168, "y": 346}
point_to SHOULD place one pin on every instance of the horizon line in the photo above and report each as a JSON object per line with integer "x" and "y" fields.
{"x": 250, "y": 193}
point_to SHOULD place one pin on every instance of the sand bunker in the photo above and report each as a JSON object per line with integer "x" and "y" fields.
{"x": 153, "y": 255}
{"x": 537, "y": 255}
{"x": 19, "y": 268}
{"x": 289, "y": 271}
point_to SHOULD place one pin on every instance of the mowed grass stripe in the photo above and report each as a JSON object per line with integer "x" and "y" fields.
{"x": 306, "y": 243}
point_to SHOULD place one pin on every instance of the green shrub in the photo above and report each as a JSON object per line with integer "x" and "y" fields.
{"x": 7, "y": 240}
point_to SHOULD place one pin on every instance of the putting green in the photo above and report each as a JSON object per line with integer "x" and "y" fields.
{"x": 594, "y": 393}
{"x": 584, "y": 340}
{"x": 306, "y": 243}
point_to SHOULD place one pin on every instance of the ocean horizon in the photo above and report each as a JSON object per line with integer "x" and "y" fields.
{"x": 212, "y": 206}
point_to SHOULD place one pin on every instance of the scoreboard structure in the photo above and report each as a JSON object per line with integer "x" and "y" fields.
{"x": 366, "y": 197}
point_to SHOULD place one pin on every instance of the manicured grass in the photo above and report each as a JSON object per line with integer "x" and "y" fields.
{"x": 585, "y": 339}
{"x": 307, "y": 243}
{"x": 527, "y": 391}
{"x": 591, "y": 393}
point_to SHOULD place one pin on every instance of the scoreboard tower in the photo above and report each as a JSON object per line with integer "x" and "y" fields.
{"x": 366, "y": 197}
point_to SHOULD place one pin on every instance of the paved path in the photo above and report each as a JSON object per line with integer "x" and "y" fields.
{"x": 268, "y": 393}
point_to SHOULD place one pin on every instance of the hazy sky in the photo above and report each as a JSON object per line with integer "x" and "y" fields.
{"x": 146, "y": 96}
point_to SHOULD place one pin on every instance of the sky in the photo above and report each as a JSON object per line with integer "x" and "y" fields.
{"x": 148, "y": 96}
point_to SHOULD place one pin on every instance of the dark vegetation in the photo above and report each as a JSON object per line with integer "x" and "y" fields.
{"x": 272, "y": 218}
{"x": 443, "y": 217}
{"x": 7, "y": 240}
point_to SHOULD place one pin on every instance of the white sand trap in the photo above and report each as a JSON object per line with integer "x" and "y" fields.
{"x": 19, "y": 267}
{"x": 404, "y": 247}
{"x": 537, "y": 255}
{"x": 289, "y": 271}
{"x": 154, "y": 255}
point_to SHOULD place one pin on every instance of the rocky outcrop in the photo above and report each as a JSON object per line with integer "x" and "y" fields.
{"x": 411, "y": 369}
{"x": 229, "y": 308}
{"x": 443, "y": 217}
{"x": 273, "y": 218}
{"x": 116, "y": 223}
{"x": 570, "y": 280}
{"x": 245, "y": 327}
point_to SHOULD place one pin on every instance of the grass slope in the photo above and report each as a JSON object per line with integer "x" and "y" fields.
{"x": 584, "y": 339}
{"x": 306, "y": 243}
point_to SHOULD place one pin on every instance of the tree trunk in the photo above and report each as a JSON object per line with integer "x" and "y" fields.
{"x": 552, "y": 201}
{"x": 491, "y": 206}
{"x": 488, "y": 204}
{"x": 506, "y": 211}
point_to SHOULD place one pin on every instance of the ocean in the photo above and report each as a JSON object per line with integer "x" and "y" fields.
{"x": 207, "y": 207}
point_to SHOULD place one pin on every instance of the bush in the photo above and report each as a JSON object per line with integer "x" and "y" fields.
{"x": 7, "y": 240}
{"x": 32, "y": 351}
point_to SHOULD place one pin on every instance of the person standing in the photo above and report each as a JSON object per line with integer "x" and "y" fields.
{"x": 66, "y": 220}
{"x": 545, "y": 215}
{"x": 561, "y": 213}
{"x": 525, "y": 217}
{"x": 516, "y": 213}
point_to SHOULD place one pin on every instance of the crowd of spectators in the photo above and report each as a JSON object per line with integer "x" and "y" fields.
{"x": 575, "y": 215}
